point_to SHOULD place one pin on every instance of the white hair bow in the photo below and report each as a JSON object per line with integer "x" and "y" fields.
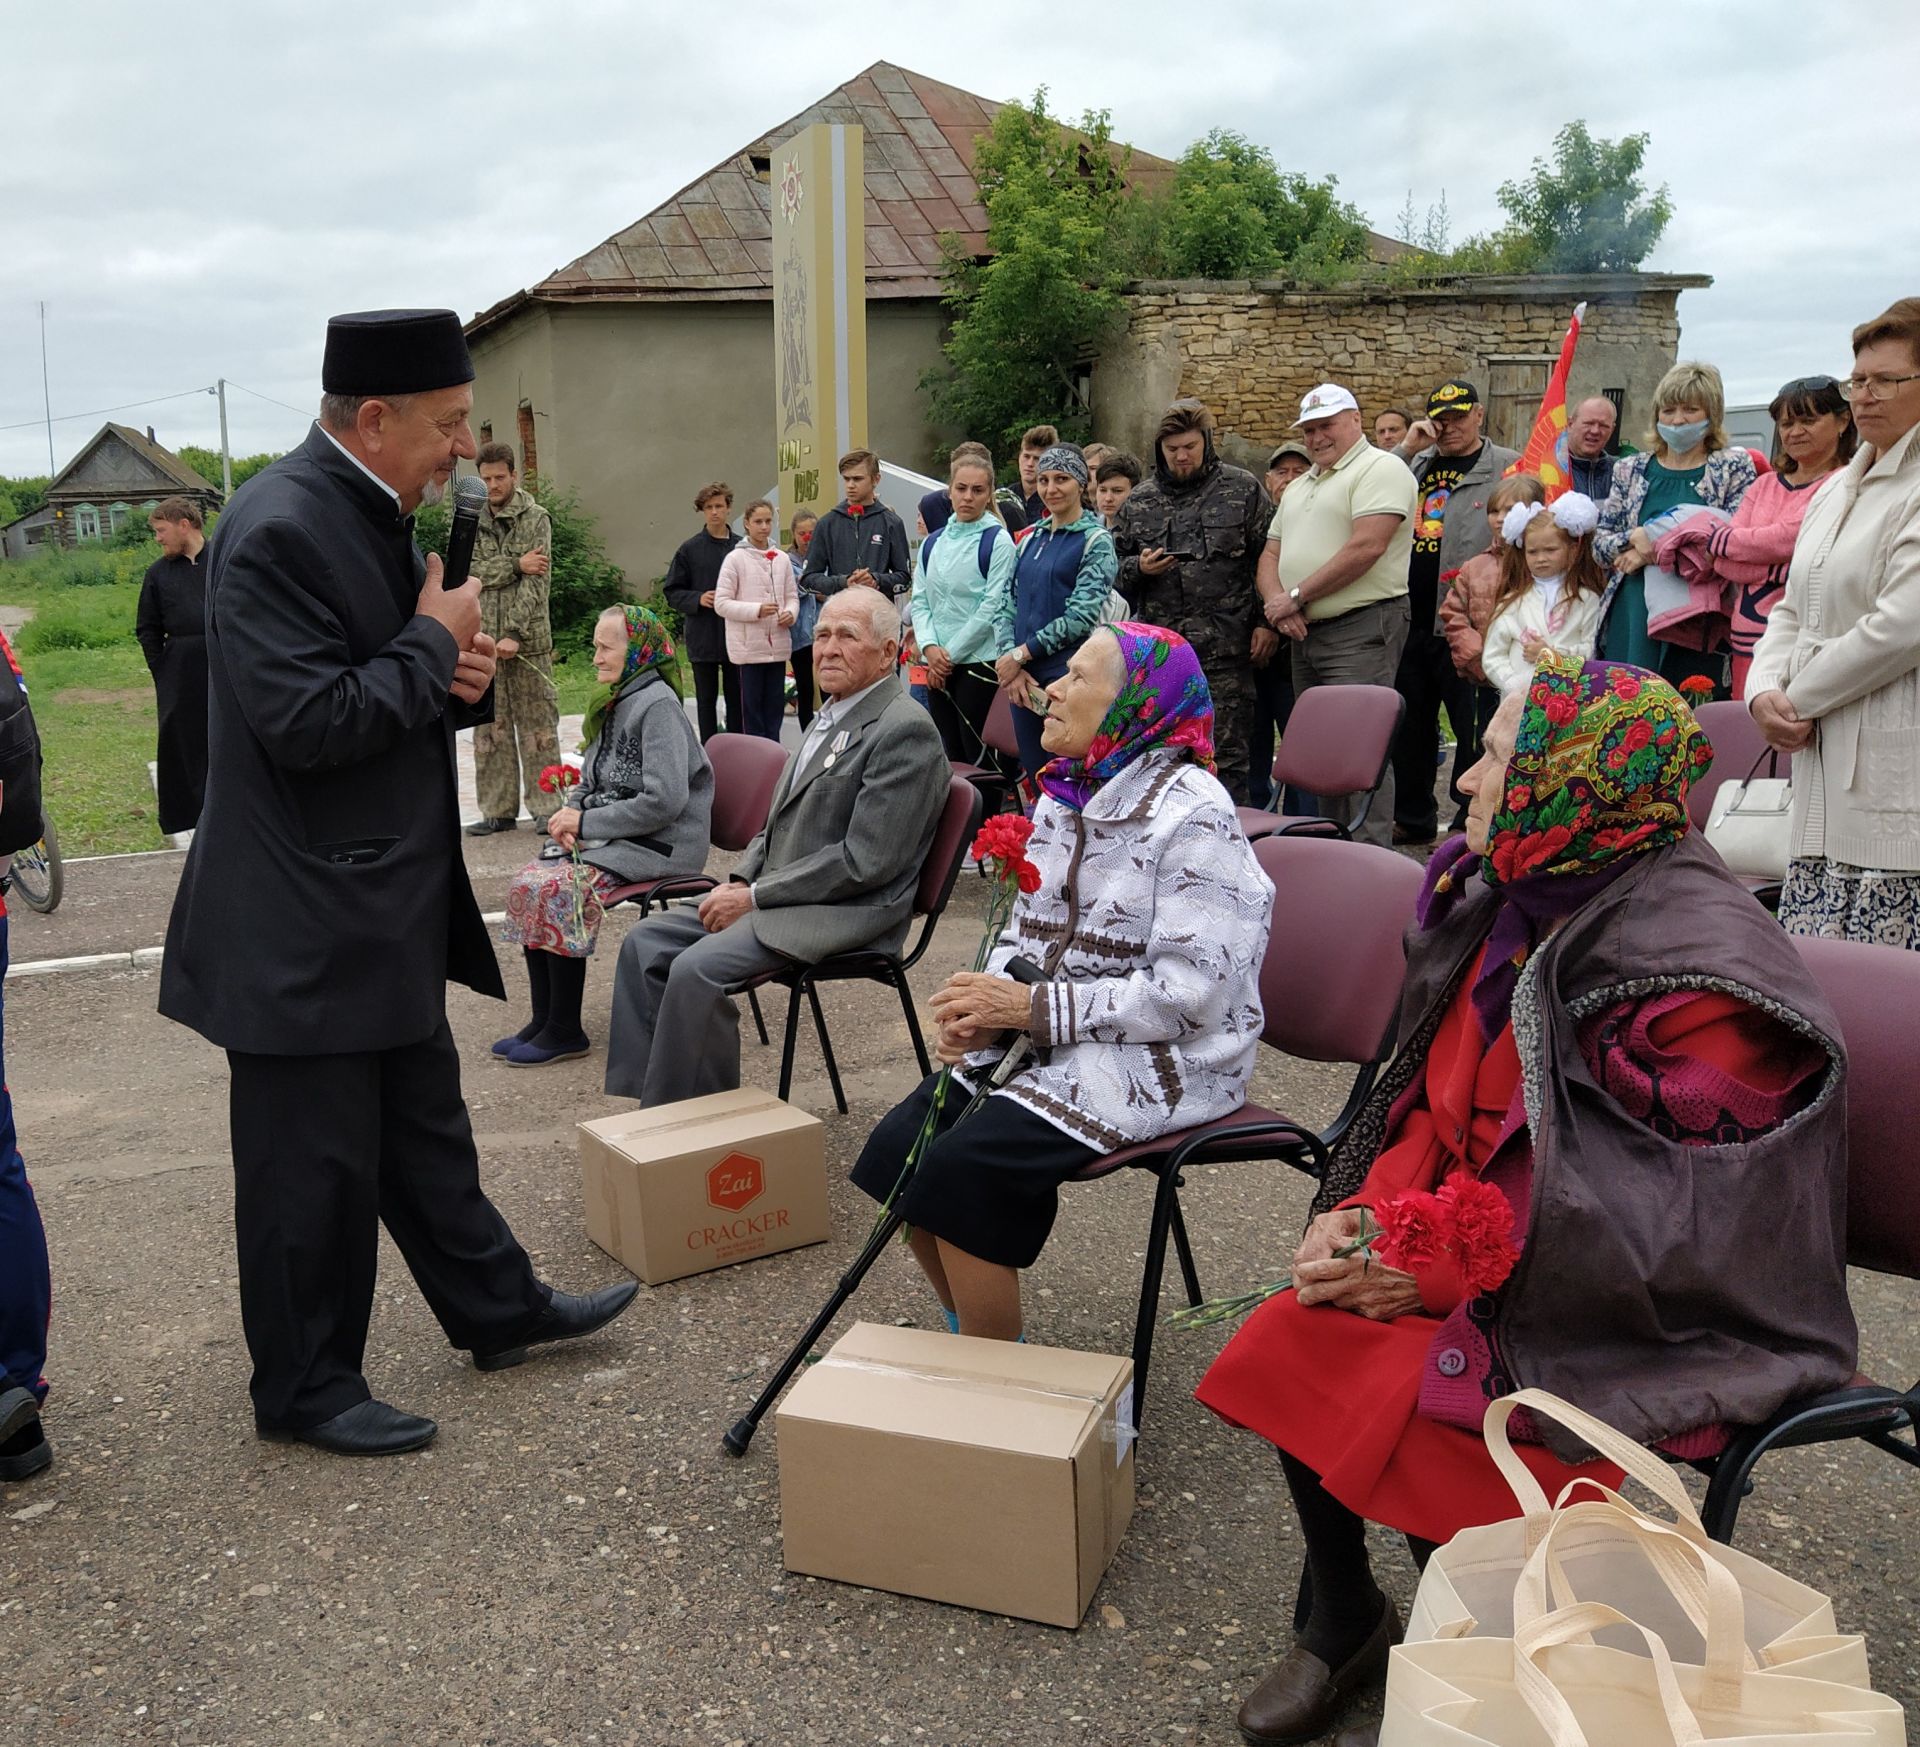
{"x": 1513, "y": 527}
{"x": 1574, "y": 513}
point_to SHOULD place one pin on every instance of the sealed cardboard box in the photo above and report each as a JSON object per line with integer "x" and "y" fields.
{"x": 704, "y": 1183}
{"x": 985, "y": 1473}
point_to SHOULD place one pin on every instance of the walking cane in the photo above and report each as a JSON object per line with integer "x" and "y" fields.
{"x": 740, "y": 1434}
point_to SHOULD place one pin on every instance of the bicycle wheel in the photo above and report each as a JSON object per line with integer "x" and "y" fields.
{"x": 37, "y": 874}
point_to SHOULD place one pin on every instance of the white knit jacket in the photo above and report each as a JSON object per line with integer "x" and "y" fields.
{"x": 1150, "y": 921}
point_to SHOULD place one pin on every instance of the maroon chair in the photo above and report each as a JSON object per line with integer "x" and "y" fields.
{"x": 952, "y": 836}
{"x": 1875, "y": 992}
{"x": 998, "y": 783}
{"x": 1338, "y": 741}
{"x": 746, "y": 770}
{"x": 1330, "y": 992}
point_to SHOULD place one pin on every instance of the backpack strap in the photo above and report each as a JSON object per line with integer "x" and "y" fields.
{"x": 985, "y": 547}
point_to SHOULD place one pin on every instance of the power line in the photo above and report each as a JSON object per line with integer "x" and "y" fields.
{"x": 257, "y": 395}
{"x": 125, "y": 406}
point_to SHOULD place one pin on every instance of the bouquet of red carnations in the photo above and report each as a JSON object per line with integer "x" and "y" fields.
{"x": 1465, "y": 1220}
{"x": 556, "y": 780}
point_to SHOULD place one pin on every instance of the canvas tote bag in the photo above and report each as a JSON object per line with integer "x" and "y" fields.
{"x": 1469, "y": 1587}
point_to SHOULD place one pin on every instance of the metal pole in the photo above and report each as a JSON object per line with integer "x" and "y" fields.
{"x": 226, "y": 460}
{"x": 45, "y": 397}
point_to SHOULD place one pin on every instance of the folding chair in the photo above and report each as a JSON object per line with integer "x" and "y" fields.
{"x": 997, "y": 787}
{"x": 1338, "y": 742}
{"x": 1875, "y": 991}
{"x": 1330, "y": 992}
{"x": 946, "y": 854}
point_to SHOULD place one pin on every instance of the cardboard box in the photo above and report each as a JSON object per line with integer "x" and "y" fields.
{"x": 701, "y": 1184}
{"x": 984, "y": 1473}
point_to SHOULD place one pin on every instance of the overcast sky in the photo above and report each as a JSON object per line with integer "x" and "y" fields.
{"x": 193, "y": 189}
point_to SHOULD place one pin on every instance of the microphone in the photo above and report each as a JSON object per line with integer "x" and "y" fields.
{"x": 469, "y": 498}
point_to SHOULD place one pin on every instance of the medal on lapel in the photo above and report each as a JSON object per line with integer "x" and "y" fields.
{"x": 837, "y": 746}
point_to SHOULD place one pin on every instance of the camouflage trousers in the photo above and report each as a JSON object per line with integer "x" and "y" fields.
{"x": 1230, "y": 680}
{"x": 523, "y": 738}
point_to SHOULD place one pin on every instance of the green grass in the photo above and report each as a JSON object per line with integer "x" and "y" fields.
{"x": 95, "y": 710}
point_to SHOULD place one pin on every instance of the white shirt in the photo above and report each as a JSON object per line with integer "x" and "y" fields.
{"x": 832, "y": 711}
{"x": 364, "y": 468}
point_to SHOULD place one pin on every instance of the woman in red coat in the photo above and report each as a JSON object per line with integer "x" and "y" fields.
{"x": 1602, "y": 1026}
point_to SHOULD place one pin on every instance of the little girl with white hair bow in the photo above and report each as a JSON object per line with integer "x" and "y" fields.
{"x": 1551, "y": 587}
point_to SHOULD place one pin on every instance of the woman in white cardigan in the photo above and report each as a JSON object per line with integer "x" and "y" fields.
{"x": 1149, "y": 924}
{"x": 1836, "y": 678}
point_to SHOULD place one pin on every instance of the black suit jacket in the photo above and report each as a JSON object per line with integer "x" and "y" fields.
{"x": 324, "y": 904}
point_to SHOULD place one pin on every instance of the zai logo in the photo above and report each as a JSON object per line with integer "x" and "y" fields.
{"x": 736, "y": 1182}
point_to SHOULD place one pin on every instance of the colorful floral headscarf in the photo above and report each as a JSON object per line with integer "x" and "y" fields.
{"x": 1602, "y": 762}
{"x": 648, "y": 646}
{"x": 1163, "y": 701}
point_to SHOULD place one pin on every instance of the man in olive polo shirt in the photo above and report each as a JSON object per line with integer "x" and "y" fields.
{"x": 1333, "y": 576}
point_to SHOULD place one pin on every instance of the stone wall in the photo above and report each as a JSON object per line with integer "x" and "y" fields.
{"x": 1251, "y": 350}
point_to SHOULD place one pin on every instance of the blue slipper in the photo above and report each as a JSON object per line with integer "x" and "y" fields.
{"x": 538, "y": 1055}
{"x": 507, "y": 1045}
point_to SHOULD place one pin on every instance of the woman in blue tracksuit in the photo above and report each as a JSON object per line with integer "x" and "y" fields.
{"x": 1065, "y": 571}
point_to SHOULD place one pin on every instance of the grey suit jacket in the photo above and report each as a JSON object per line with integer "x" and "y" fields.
{"x": 836, "y": 866}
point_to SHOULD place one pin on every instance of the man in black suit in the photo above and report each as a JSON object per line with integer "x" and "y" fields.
{"x": 324, "y": 905}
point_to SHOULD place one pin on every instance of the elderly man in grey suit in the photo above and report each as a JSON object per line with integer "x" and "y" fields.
{"x": 834, "y": 870}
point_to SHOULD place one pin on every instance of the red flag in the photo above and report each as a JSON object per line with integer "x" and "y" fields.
{"x": 1545, "y": 454}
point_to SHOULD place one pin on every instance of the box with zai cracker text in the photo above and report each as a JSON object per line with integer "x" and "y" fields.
{"x": 703, "y": 1183}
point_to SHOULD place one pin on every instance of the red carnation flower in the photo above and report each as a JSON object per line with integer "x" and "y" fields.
{"x": 1028, "y": 875}
{"x": 1413, "y": 1230}
{"x": 1480, "y": 1219}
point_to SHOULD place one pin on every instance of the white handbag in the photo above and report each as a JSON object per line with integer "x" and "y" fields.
{"x": 1619, "y": 1556}
{"x": 1750, "y": 826}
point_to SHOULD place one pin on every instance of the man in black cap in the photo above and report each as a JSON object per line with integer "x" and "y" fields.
{"x": 1456, "y": 468}
{"x": 324, "y": 905}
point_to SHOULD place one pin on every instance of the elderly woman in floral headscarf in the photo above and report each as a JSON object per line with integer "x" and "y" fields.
{"x": 1148, "y": 924}
{"x": 638, "y": 810}
{"x": 1600, "y": 1025}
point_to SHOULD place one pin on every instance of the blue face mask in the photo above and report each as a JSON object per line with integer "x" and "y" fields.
{"x": 1681, "y": 438}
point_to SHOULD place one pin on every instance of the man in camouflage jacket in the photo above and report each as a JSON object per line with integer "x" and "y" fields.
{"x": 1189, "y": 541}
{"x": 512, "y": 556}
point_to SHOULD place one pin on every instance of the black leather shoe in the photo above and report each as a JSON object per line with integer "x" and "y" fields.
{"x": 1303, "y": 1698}
{"x": 368, "y": 1428}
{"x": 567, "y": 1318}
{"x": 487, "y": 827}
{"x": 24, "y": 1450}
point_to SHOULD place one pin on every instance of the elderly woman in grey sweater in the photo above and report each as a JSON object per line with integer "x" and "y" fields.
{"x": 640, "y": 810}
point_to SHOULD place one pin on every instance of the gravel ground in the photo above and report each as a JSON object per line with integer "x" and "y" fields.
{"x": 575, "y": 1562}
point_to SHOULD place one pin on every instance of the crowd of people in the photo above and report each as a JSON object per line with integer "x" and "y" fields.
{"x": 1149, "y": 628}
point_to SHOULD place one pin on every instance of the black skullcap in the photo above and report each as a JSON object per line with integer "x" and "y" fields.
{"x": 395, "y": 351}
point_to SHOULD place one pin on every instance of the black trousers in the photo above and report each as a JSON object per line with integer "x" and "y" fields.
{"x": 709, "y": 678}
{"x": 959, "y": 710}
{"x": 1427, "y": 679}
{"x": 326, "y": 1149}
{"x": 802, "y": 663}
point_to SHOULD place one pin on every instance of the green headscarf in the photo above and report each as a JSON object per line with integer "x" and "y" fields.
{"x": 648, "y": 646}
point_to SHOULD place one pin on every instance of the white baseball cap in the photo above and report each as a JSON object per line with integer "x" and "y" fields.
{"x": 1326, "y": 400}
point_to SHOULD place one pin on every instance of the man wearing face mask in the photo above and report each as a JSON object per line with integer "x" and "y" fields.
{"x": 324, "y": 905}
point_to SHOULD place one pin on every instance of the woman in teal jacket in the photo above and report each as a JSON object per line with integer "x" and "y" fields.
{"x": 966, "y": 571}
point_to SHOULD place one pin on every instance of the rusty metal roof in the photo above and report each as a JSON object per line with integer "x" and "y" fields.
{"x": 714, "y": 239}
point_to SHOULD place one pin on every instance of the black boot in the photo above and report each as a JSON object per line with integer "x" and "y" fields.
{"x": 539, "y": 982}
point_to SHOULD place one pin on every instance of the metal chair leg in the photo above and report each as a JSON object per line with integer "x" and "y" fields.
{"x": 1151, "y": 1275}
{"x": 759, "y": 1019}
{"x": 826, "y": 1044}
{"x": 786, "y": 1053}
{"x": 1189, "y": 1275}
{"x": 913, "y": 1021}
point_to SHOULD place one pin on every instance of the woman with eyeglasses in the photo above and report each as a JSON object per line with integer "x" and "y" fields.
{"x": 1690, "y": 461}
{"x": 1746, "y": 558}
{"x": 1836, "y": 678}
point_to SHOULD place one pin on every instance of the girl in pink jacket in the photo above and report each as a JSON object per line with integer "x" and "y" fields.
{"x": 758, "y": 598}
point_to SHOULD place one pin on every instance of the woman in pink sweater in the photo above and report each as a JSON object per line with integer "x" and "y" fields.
{"x": 758, "y": 598}
{"x": 1813, "y": 436}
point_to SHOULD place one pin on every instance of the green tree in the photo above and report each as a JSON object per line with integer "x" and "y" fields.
{"x": 1586, "y": 211}
{"x": 1234, "y": 214}
{"x": 582, "y": 583}
{"x": 1049, "y": 291}
{"x": 19, "y": 497}
{"x": 206, "y": 463}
